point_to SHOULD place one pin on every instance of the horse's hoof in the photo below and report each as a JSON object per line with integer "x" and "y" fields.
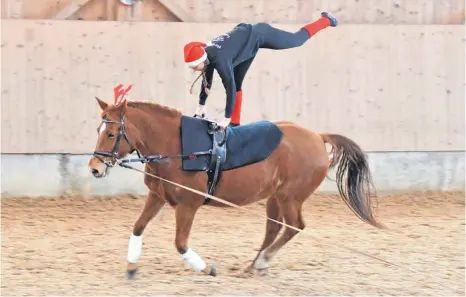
{"x": 213, "y": 270}
{"x": 131, "y": 271}
{"x": 262, "y": 272}
{"x": 248, "y": 269}
{"x": 210, "y": 270}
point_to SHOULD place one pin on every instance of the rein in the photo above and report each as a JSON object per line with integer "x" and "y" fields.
{"x": 114, "y": 152}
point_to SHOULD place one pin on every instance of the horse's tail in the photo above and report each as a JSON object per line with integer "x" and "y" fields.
{"x": 357, "y": 189}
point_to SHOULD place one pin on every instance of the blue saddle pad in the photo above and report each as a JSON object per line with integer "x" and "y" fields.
{"x": 246, "y": 144}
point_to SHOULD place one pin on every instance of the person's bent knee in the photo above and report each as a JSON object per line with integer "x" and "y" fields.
{"x": 298, "y": 43}
{"x": 262, "y": 24}
{"x": 299, "y": 39}
{"x": 262, "y": 27}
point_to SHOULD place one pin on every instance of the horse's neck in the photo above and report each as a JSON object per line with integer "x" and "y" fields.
{"x": 157, "y": 131}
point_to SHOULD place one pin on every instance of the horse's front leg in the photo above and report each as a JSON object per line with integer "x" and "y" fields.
{"x": 184, "y": 221}
{"x": 152, "y": 207}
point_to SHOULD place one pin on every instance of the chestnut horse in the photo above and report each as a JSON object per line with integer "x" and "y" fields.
{"x": 286, "y": 178}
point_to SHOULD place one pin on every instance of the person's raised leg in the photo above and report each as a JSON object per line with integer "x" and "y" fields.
{"x": 274, "y": 38}
{"x": 322, "y": 23}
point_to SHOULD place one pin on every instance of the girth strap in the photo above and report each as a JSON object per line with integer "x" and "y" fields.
{"x": 218, "y": 157}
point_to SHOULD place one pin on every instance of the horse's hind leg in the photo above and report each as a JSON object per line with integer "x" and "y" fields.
{"x": 272, "y": 228}
{"x": 152, "y": 207}
{"x": 292, "y": 213}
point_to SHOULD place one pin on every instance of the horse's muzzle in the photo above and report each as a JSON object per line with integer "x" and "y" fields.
{"x": 98, "y": 168}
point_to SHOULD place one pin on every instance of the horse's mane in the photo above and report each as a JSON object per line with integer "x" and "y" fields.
{"x": 170, "y": 111}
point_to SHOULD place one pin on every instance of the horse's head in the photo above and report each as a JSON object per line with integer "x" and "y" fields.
{"x": 113, "y": 141}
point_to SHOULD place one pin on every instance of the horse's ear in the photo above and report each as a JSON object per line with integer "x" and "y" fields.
{"x": 103, "y": 105}
{"x": 122, "y": 105}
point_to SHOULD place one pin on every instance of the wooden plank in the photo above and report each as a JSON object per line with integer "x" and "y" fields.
{"x": 5, "y": 14}
{"x": 110, "y": 7}
{"x": 131, "y": 13}
{"x": 122, "y": 12}
{"x": 138, "y": 11}
{"x": 14, "y": 9}
{"x": 304, "y": 11}
{"x": 178, "y": 11}
{"x": 70, "y": 9}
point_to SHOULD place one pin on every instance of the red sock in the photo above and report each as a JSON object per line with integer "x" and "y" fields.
{"x": 316, "y": 26}
{"x": 236, "y": 114}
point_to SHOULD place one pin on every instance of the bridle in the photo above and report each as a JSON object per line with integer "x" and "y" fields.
{"x": 114, "y": 153}
{"x": 143, "y": 159}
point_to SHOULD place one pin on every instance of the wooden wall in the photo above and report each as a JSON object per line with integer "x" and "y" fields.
{"x": 232, "y": 11}
{"x": 347, "y": 11}
{"x": 88, "y": 10}
{"x": 390, "y": 88}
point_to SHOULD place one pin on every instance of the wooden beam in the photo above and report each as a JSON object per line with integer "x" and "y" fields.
{"x": 70, "y": 9}
{"x": 179, "y": 12}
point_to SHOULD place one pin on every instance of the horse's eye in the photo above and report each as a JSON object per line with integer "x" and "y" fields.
{"x": 111, "y": 135}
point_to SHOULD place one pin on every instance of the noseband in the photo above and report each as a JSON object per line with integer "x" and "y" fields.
{"x": 114, "y": 153}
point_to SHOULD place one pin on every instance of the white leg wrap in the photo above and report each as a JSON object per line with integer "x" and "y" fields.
{"x": 194, "y": 260}
{"x": 261, "y": 262}
{"x": 134, "y": 248}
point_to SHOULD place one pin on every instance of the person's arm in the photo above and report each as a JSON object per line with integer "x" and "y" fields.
{"x": 205, "y": 92}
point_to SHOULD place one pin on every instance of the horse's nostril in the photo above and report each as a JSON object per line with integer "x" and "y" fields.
{"x": 95, "y": 172}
